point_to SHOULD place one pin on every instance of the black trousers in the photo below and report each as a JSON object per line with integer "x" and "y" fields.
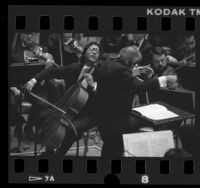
{"x": 113, "y": 147}
{"x": 82, "y": 123}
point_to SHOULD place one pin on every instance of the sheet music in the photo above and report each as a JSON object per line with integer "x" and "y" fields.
{"x": 155, "y": 112}
{"x": 148, "y": 144}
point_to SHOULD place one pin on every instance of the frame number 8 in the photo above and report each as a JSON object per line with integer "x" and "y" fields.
{"x": 145, "y": 179}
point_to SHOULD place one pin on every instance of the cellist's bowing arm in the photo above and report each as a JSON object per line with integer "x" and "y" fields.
{"x": 58, "y": 72}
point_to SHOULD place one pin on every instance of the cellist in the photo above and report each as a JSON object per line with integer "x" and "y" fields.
{"x": 71, "y": 74}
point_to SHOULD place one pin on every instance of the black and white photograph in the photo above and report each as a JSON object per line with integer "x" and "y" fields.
{"x": 103, "y": 94}
{"x": 126, "y": 95}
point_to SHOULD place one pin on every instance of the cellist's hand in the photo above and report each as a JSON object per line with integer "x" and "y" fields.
{"x": 30, "y": 84}
{"x": 90, "y": 81}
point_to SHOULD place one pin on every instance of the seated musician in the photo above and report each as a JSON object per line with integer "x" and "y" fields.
{"x": 64, "y": 48}
{"x": 158, "y": 66}
{"x": 187, "y": 48}
{"x": 25, "y": 50}
{"x": 159, "y": 62}
{"x": 71, "y": 74}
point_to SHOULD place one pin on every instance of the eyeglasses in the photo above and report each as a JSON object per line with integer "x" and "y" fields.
{"x": 93, "y": 50}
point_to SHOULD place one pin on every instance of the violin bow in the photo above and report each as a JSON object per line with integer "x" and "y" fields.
{"x": 60, "y": 49}
{"x": 144, "y": 38}
{"x": 184, "y": 64}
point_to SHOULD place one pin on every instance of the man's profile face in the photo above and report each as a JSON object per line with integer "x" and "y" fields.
{"x": 159, "y": 61}
{"x": 92, "y": 54}
{"x": 190, "y": 43}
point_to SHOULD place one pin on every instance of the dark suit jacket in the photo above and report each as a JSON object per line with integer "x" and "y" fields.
{"x": 115, "y": 91}
{"x": 70, "y": 74}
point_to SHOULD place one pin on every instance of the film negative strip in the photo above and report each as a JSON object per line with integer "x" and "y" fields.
{"x": 103, "y": 94}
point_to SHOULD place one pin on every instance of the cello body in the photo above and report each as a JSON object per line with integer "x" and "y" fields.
{"x": 52, "y": 124}
{"x": 53, "y": 130}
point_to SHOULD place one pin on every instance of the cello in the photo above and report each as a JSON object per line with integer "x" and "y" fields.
{"x": 60, "y": 115}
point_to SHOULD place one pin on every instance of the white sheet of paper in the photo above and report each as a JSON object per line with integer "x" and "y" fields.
{"x": 155, "y": 112}
{"x": 148, "y": 144}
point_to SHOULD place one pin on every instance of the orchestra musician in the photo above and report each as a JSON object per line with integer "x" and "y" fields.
{"x": 160, "y": 62}
{"x": 25, "y": 50}
{"x": 71, "y": 74}
{"x": 187, "y": 48}
{"x": 65, "y": 48}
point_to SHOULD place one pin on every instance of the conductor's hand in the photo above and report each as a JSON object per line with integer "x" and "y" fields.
{"x": 171, "y": 79}
{"x": 147, "y": 70}
{"x": 30, "y": 84}
{"x": 138, "y": 70}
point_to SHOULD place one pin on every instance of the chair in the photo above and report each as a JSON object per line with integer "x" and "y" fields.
{"x": 23, "y": 108}
{"x": 87, "y": 135}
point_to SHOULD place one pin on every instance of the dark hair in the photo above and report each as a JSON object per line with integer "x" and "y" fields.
{"x": 82, "y": 58}
{"x": 156, "y": 51}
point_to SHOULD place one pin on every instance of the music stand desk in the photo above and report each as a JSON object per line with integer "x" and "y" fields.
{"x": 183, "y": 115}
{"x": 160, "y": 124}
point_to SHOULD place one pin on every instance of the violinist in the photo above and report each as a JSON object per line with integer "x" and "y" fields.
{"x": 65, "y": 48}
{"x": 160, "y": 61}
{"x": 25, "y": 50}
{"x": 71, "y": 74}
{"x": 186, "y": 48}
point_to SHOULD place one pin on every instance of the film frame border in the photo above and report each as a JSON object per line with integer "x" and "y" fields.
{"x": 129, "y": 25}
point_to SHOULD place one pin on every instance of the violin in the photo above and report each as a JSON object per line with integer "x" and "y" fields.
{"x": 72, "y": 45}
{"x": 36, "y": 53}
{"x": 186, "y": 61}
{"x": 181, "y": 64}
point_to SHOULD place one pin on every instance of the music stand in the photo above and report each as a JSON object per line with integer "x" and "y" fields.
{"x": 158, "y": 124}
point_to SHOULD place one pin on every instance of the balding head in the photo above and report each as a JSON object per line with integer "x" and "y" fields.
{"x": 130, "y": 56}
